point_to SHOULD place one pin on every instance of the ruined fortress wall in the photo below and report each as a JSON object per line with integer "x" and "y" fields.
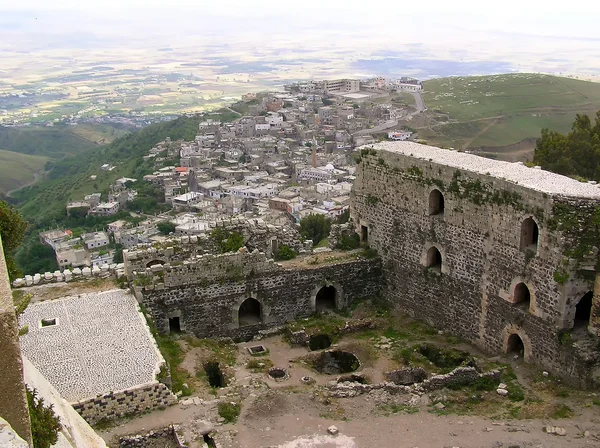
{"x": 13, "y": 402}
{"x": 211, "y": 308}
{"x": 122, "y": 403}
{"x": 478, "y": 235}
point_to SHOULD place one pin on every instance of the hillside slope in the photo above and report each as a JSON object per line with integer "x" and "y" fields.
{"x": 500, "y": 110}
{"x": 43, "y": 204}
{"x": 57, "y": 141}
{"x": 17, "y": 170}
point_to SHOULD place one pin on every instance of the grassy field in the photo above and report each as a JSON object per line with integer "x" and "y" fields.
{"x": 501, "y": 110}
{"x": 17, "y": 169}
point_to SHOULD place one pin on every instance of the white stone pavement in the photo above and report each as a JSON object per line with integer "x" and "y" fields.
{"x": 100, "y": 343}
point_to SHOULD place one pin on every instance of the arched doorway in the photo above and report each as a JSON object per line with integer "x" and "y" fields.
{"x": 174, "y": 325}
{"x": 434, "y": 259}
{"x": 436, "y": 202}
{"x": 522, "y": 296}
{"x": 515, "y": 345}
{"x": 250, "y": 312}
{"x": 326, "y": 299}
{"x": 583, "y": 311}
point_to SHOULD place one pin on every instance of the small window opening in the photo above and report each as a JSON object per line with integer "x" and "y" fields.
{"x": 250, "y": 312}
{"x": 434, "y": 259}
{"x": 529, "y": 235}
{"x": 515, "y": 345}
{"x": 583, "y": 311}
{"x": 174, "y": 325}
{"x": 326, "y": 299}
{"x": 48, "y": 322}
{"x": 522, "y": 296}
{"x": 436, "y": 203}
{"x": 364, "y": 234}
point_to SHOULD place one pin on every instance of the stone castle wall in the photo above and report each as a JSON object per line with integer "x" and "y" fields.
{"x": 13, "y": 401}
{"x": 479, "y": 238}
{"x": 203, "y": 269}
{"x": 208, "y": 306}
{"x": 120, "y": 404}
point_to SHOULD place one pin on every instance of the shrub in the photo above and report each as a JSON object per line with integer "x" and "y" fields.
{"x": 349, "y": 242}
{"x": 315, "y": 227}
{"x": 45, "y": 424}
{"x": 285, "y": 253}
{"x": 230, "y": 411}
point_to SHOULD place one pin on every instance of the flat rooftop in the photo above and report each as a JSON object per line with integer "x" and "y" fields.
{"x": 517, "y": 173}
{"x": 99, "y": 343}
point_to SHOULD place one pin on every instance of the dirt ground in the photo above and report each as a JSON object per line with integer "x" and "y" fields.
{"x": 292, "y": 414}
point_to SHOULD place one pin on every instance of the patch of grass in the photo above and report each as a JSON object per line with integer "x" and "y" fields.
{"x": 562, "y": 411}
{"x": 223, "y": 351}
{"x": 259, "y": 365}
{"x": 388, "y": 409}
{"x": 326, "y": 323}
{"x": 230, "y": 411}
{"x": 323, "y": 243}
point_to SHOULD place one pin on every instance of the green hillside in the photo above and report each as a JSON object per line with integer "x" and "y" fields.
{"x": 57, "y": 141}
{"x": 500, "y": 110}
{"x": 43, "y": 204}
{"x": 17, "y": 169}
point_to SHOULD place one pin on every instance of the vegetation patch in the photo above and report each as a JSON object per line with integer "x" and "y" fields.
{"x": 229, "y": 410}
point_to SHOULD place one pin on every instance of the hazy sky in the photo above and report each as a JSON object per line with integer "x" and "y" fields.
{"x": 540, "y": 17}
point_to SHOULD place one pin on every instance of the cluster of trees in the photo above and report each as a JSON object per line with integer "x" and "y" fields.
{"x": 575, "y": 154}
{"x": 315, "y": 227}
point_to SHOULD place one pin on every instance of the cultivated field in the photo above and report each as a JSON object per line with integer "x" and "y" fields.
{"x": 502, "y": 110}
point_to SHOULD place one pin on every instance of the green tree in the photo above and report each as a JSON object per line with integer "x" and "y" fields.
{"x": 165, "y": 227}
{"x": 315, "y": 227}
{"x": 574, "y": 154}
{"x": 344, "y": 217}
{"x": 45, "y": 424}
{"x": 12, "y": 231}
{"x": 118, "y": 256}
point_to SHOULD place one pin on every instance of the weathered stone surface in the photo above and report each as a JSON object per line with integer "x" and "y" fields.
{"x": 478, "y": 237}
{"x": 206, "y": 295}
{"x": 9, "y": 438}
{"x": 406, "y": 377}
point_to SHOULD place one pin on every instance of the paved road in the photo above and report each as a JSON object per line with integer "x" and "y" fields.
{"x": 420, "y": 105}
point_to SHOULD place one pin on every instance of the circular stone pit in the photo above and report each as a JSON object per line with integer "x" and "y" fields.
{"x": 334, "y": 362}
{"x": 307, "y": 380}
{"x": 278, "y": 374}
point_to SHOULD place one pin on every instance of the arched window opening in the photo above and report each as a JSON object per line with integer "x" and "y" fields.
{"x": 583, "y": 311}
{"x": 174, "y": 325}
{"x": 249, "y": 312}
{"x": 436, "y": 203}
{"x": 529, "y": 235}
{"x": 522, "y": 296}
{"x": 326, "y": 299}
{"x": 434, "y": 259}
{"x": 153, "y": 263}
{"x": 515, "y": 345}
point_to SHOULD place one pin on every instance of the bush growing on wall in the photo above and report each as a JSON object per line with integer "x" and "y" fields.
{"x": 45, "y": 424}
{"x": 285, "y": 253}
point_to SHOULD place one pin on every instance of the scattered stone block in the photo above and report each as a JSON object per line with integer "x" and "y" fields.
{"x": 502, "y": 392}
{"x": 556, "y": 430}
{"x": 333, "y": 430}
{"x": 439, "y": 406}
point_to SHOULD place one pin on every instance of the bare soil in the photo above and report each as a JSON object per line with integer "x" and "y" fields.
{"x": 292, "y": 414}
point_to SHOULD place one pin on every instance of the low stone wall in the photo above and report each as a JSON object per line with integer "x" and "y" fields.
{"x": 459, "y": 376}
{"x": 70, "y": 275}
{"x": 406, "y": 377}
{"x": 119, "y": 404}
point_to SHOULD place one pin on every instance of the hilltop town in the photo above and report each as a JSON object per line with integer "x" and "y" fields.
{"x": 287, "y": 155}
